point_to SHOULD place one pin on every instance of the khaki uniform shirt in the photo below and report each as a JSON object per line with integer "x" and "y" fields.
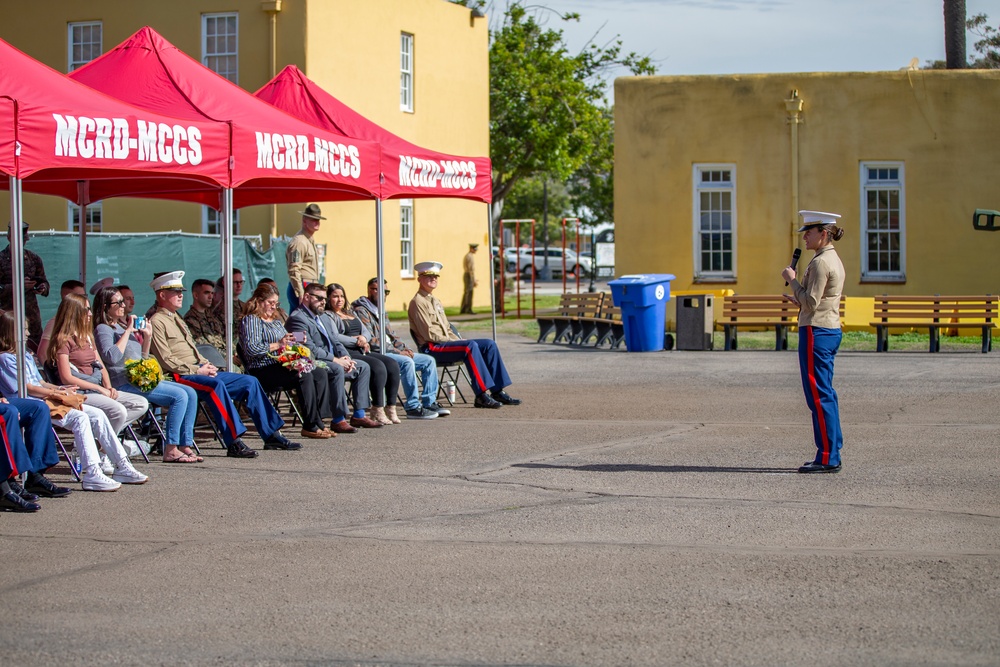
{"x": 819, "y": 292}
{"x": 302, "y": 257}
{"x": 469, "y": 268}
{"x": 172, "y": 344}
{"x": 427, "y": 319}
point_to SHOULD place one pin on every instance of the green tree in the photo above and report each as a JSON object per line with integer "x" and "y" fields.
{"x": 526, "y": 201}
{"x": 548, "y": 107}
{"x": 987, "y": 46}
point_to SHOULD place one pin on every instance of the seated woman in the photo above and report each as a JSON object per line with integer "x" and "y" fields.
{"x": 73, "y": 354}
{"x": 261, "y": 333}
{"x": 88, "y": 424}
{"x": 355, "y": 337}
{"x": 118, "y": 343}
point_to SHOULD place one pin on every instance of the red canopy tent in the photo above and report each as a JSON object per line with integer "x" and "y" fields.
{"x": 274, "y": 157}
{"x": 63, "y": 138}
{"x": 408, "y": 170}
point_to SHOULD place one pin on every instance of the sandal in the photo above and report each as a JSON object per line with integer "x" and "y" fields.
{"x": 187, "y": 452}
{"x": 182, "y": 458}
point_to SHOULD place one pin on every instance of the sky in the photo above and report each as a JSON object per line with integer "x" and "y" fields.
{"x": 763, "y": 36}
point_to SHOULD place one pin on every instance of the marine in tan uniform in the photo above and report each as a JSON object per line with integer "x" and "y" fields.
{"x": 469, "y": 278}
{"x": 302, "y": 256}
{"x": 818, "y": 297}
{"x": 433, "y": 335}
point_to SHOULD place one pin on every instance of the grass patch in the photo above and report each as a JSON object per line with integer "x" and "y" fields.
{"x": 748, "y": 340}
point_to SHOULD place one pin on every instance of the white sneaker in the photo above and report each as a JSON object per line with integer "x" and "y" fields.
{"x": 107, "y": 467}
{"x": 126, "y": 474}
{"x": 94, "y": 479}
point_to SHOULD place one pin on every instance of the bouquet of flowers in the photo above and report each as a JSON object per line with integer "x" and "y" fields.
{"x": 143, "y": 373}
{"x": 295, "y": 357}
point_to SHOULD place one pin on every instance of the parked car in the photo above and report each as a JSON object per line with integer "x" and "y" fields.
{"x": 519, "y": 259}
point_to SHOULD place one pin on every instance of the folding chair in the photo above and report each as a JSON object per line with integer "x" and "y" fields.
{"x": 62, "y": 448}
{"x": 452, "y": 372}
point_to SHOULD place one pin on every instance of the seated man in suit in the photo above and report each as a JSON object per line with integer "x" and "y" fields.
{"x": 434, "y": 336}
{"x": 339, "y": 364}
{"x": 178, "y": 355}
{"x": 418, "y": 406}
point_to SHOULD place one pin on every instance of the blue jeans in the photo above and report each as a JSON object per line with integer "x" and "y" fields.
{"x": 181, "y": 403}
{"x": 425, "y": 364}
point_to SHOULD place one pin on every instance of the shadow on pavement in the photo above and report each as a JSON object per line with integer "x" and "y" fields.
{"x": 638, "y": 467}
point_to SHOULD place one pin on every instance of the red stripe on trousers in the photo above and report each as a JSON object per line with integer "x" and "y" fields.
{"x": 814, "y": 388}
{"x": 468, "y": 356}
{"x": 6, "y": 445}
{"x": 215, "y": 399}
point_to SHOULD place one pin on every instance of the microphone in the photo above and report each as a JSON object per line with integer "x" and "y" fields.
{"x": 795, "y": 259}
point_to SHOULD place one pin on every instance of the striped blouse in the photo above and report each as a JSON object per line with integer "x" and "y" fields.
{"x": 256, "y": 336}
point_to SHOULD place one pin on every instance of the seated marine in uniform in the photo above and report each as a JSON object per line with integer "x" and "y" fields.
{"x": 434, "y": 336}
{"x": 178, "y": 355}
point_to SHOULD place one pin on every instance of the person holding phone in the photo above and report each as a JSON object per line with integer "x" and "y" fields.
{"x": 262, "y": 339}
{"x": 117, "y": 343}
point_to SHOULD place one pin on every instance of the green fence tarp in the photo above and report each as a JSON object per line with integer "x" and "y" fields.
{"x": 132, "y": 259}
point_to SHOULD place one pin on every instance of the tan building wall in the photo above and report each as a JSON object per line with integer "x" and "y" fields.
{"x": 351, "y": 49}
{"x": 941, "y": 125}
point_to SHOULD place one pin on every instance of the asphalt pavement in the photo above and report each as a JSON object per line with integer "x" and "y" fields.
{"x": 637, "y": 509}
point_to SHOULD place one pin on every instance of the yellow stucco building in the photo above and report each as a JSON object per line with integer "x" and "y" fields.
{"x": 419, "y": 68}
{"x": 710, "y": 171}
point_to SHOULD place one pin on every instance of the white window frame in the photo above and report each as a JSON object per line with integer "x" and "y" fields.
{"x": 406, "y": 72}
{"x": 95, "y": 217}
{"x": 887, "y": 183}
{"x": 206, "y": 56}
{"x": 698, "y": 187}
{"x": 72, "y": 35}
{"x": 406, "y": 235}
{"x": 211, "y": 221}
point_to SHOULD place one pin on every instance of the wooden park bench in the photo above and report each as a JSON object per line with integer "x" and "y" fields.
{"x": 934, "y": 313}
{"x": 607, "y": 327}
{"x": 573, "y": 318}
{"x": 757, "y": 311}
{"x": 761, "y": 310}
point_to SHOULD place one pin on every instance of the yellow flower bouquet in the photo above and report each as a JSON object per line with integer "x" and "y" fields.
{"x": 144, "y": 373}
{"x": 296, "y": 357}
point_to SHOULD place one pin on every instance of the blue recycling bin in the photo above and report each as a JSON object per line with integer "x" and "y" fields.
{"x": 643, "y": 300}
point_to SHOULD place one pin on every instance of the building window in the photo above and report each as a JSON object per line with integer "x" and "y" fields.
{"x": 95, "y": 215}
{"x": 406, "y": 72}
{"x": 883, "y": 221}
{"x": 84, "y": 43}
{"x": 715, "y": 221}
{"x": 406, "y": 238}
{"x": 219, "y": 44}
{"x": 211, "y": 219}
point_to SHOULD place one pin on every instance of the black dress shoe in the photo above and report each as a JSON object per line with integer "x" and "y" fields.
{"x": 11, "y": 502}
{"x": 505, "y": 398}
{"x": 37, "y": 483}
{"x": 484, "y": 401}
{"x": 16, "y": 487}
{"x": 239, "y": 450}
{"x": 812, "y": 466}
{"x": 278, "y": 441}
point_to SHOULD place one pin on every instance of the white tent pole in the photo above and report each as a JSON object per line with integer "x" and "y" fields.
{"x": 380, "y": 272}
{"x": 17, "y": 277}
{"x": 81, "y": 201}
{"x": 493, "y": 291}
{"x": 226, "y": 236}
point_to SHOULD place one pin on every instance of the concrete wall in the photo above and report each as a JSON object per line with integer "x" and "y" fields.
{"x": 349, "y": 47}
{"x": 941, "y": 124}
